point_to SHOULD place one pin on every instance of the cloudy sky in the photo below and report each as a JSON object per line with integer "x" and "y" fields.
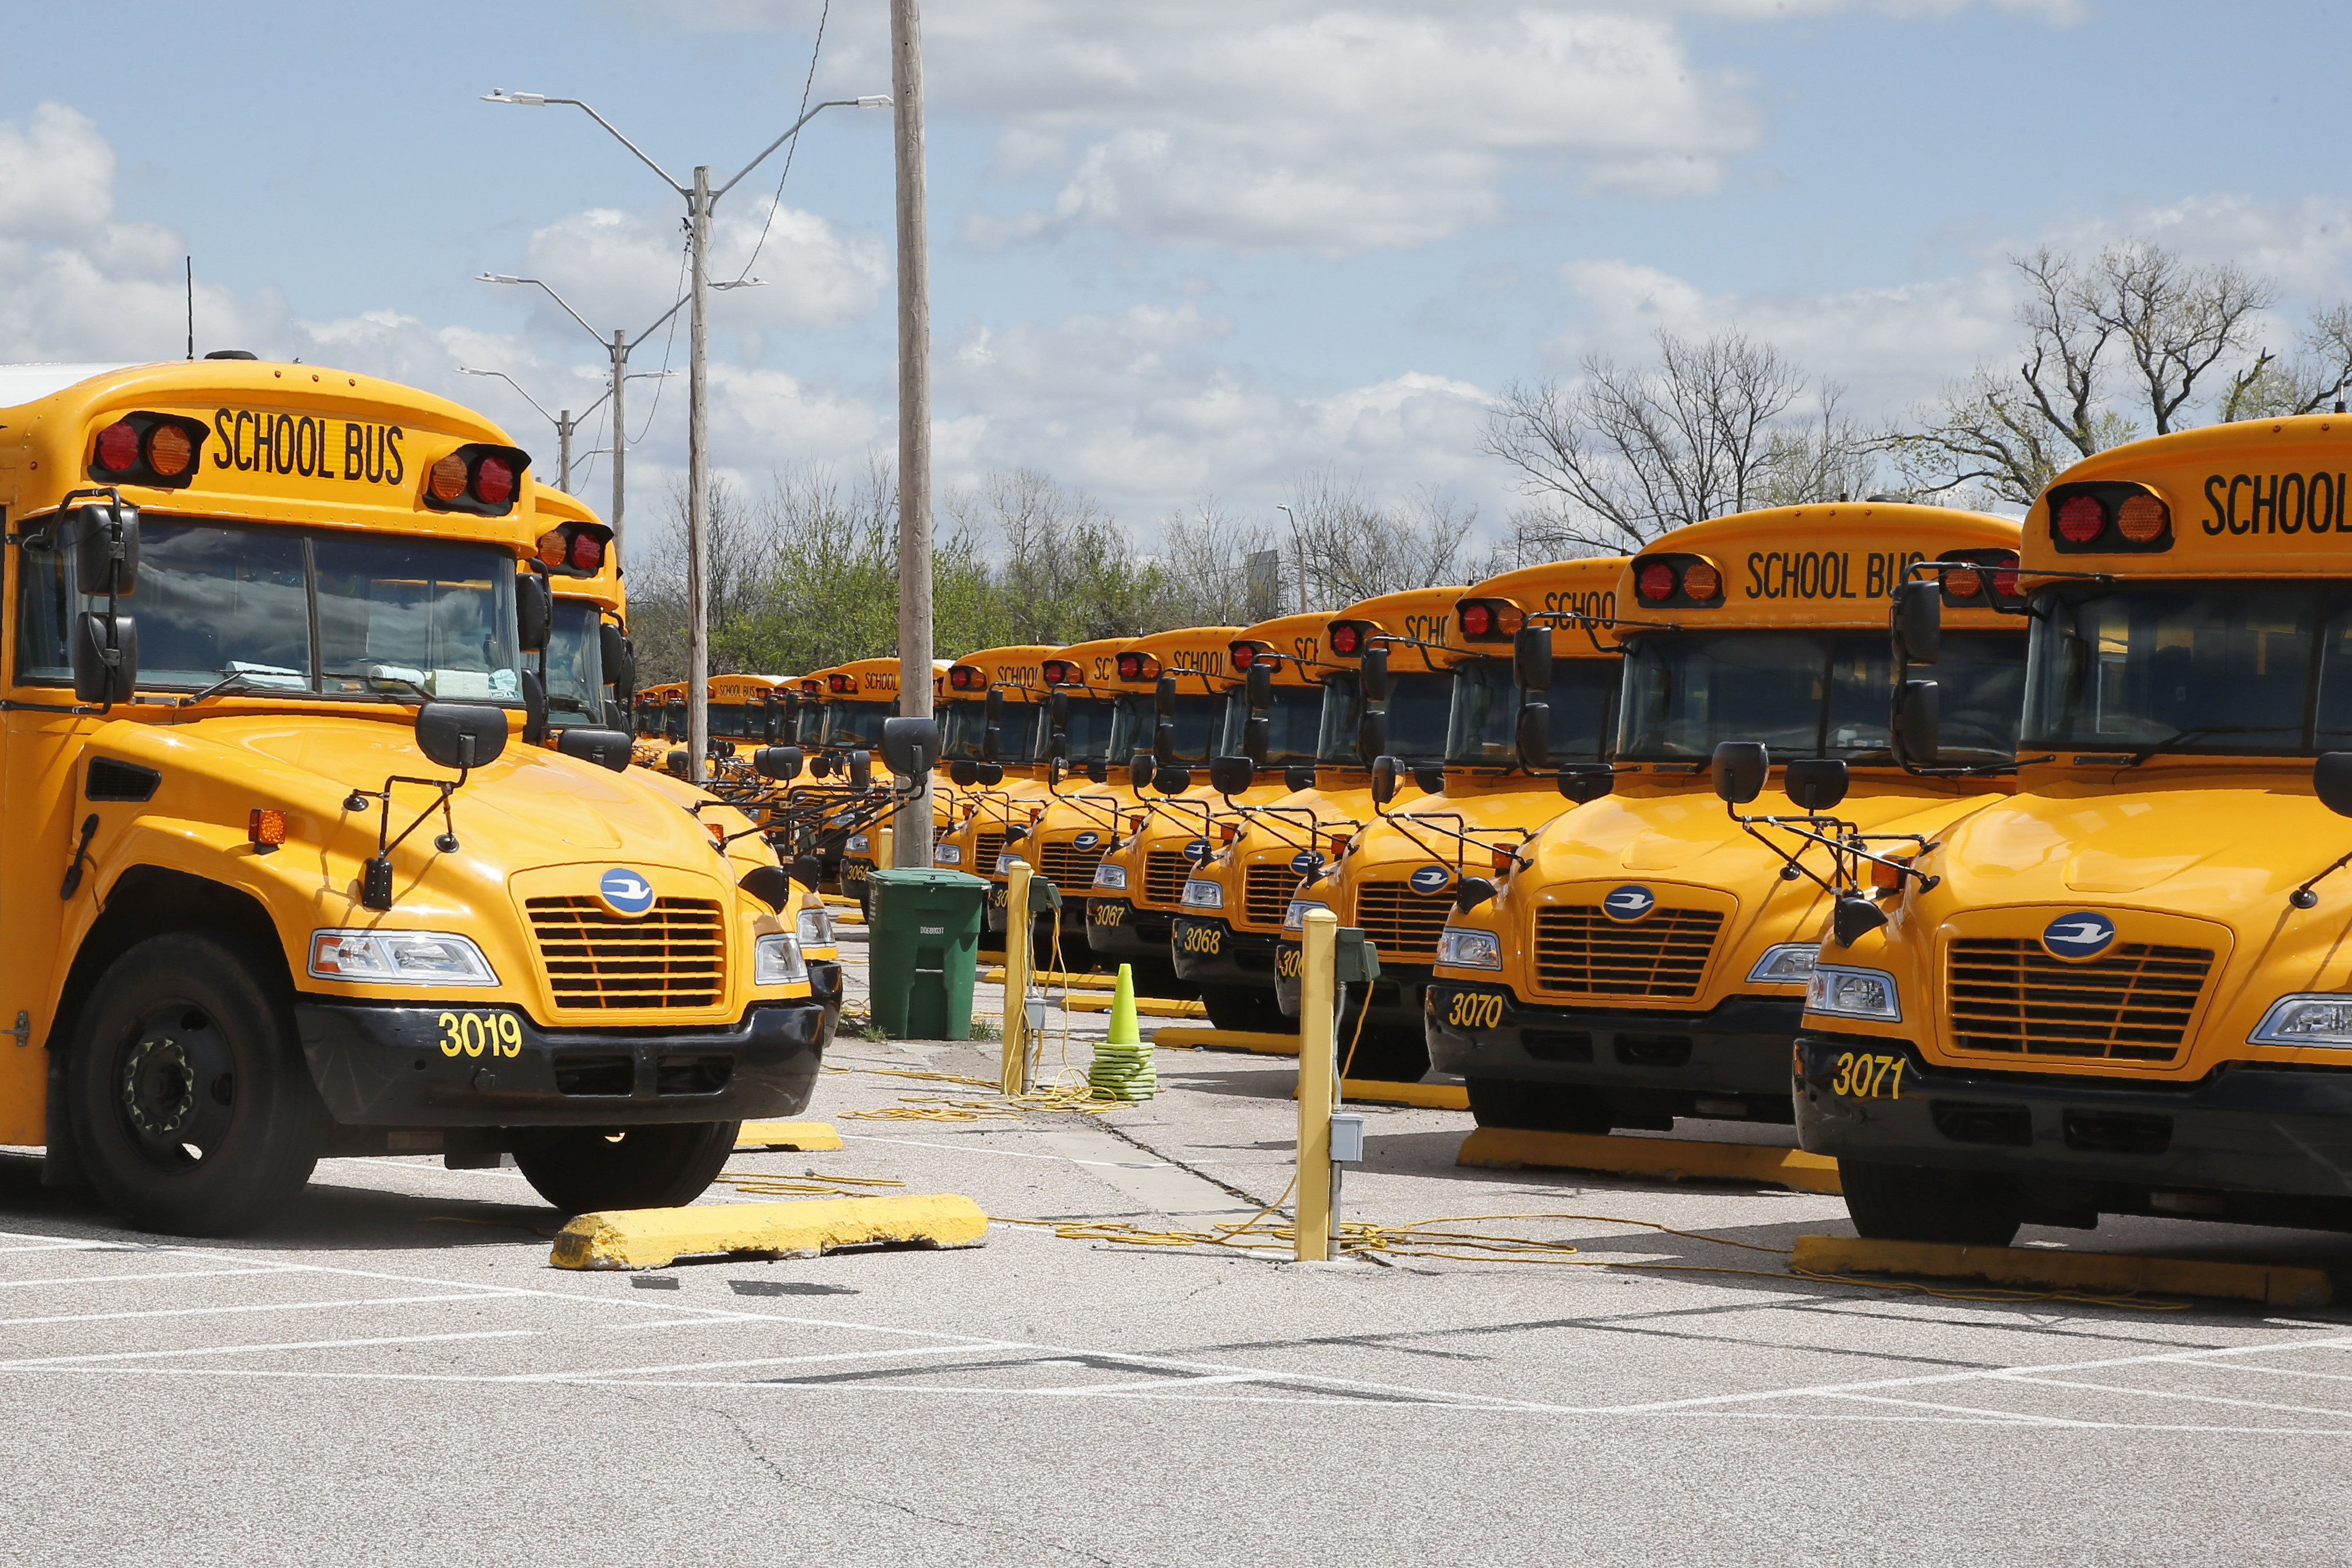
{"x": 1177, "y": 249}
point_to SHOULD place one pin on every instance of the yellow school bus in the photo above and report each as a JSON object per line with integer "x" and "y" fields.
{"x": 2127, "y": 989}
{"x": 300, "y": 895}
{"x": 1175, "y": 725}
{"x": 1084, "y": 798}
{"x": 1646, "y": 956}
{"x": 858, "y": 696}
{"x": 1453, "y": 723}
{"x": 995, "y": 791}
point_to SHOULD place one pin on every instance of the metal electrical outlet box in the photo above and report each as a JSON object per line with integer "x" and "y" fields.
{"x": 1354, "y": 959}
{"x": 1347, "y": 1137}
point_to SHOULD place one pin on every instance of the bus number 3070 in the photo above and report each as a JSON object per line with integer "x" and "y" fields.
{"x": 1475, "y": 1010}
{"x": 1867, "y": 1077}
{"x": 471, "y": 1034}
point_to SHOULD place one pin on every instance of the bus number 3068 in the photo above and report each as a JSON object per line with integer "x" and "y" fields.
{"x": 1475, "y": 1010}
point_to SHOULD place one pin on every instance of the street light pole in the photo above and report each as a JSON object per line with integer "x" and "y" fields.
{"x": 565, "y": 424}
{"x": 700, "y": 198}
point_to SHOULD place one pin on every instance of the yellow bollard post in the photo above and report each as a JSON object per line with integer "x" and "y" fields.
{"x": 881, "y": 841}
{"x": 1319, "y": 1083}
{"x": 1013, "y": 1073}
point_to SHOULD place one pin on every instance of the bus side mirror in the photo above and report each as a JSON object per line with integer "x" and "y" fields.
{"x": 619, "y": 662}
{"x": 105, "y": 657}
{"x": 771, "y": 885}
{"x": 106, "y": 550}
{"x": 1163, "y": 697}
{"x": 1815, "y": 783}
{"x": 1163, "y": 744}
{"x": 1057, "y": 710}
{"x": 1586, "y": 785}
{"x": 461, "y": 734}
{"x": 1056, "y": 769}
{"x": 1371, "y": 736}
{"x": 909, "y": 747}
{"x": 991, "y": 742}
{"x": 1740, "y": 767}
{"x": 781, "y": 763}
{"x": 808, "y": 870}
{"x": 534, "y": 709}
{"x": 963, "y": 773}
{"x": 1098, "y": 770}
{"x": 1257, "y": 737}
{"x": 1429, "y": 780}
{"x": 1374, "y": 676}
{"x": 1257, "y": 688}
{"x": 1231, "y": 775}
{"x": 988, "y": 773}
{"x": 535, "y": 612}
{"x": 993, "y": 707}
{"x": 1918, "y": 623}
{"x": 1139, "y": 768}
{"x": 2331, "y": 780}
{"x": 1918, "y": 730}
{"x": 1531, "y": 737}
{"x": 1173, "y": 780}
{"x": 1384, "y": 781}
{"x": 1532, "y": 658}
{"x": 1296, "y": 778}
{"x": 861, "y": 769}
{"x": 1057, "y": 747}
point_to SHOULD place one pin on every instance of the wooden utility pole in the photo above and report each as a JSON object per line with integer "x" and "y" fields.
{"x": 912, "y": 843}
{"x": 698, "y": 483}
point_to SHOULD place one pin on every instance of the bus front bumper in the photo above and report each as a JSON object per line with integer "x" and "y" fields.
{"x": 1212, "y": 952}
{"x": 449, "y": 1067}
{"x": 1658, "y": 1065}
{"x": 1115, "y": 928}
{"x": 2101, "y": 1145}
{"x": 1397, "y": 995}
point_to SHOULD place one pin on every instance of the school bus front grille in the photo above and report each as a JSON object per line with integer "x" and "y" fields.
{"x": 1402, "y": 924}
{"x": 1069, "y": 867}
{"x": 2132, "y": 1003}
{"x": 986, "y": 848}
{"x": 1266, "y": 898}
{"x": 1580, "y": 951}
{"x": 674, "y": 955}
{"x": 1165, "y": 872}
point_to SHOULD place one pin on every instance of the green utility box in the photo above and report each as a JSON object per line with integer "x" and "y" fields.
{"x": 922, "y": 948}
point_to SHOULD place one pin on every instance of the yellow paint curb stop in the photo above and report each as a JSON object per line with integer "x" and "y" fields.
{"x": 651, "y": 1237}
{"x": 993, "y": 975}
{"x": 1149, "y": 1006}
{"x": 1191, "y": 1037}
{"x": 804, "y": 1136}
{"x": 1670, "y": 1159}
{"x": 2032, "y": 1266}
{"x": 838, "y": 901}
{"x": 1429, "y": 1097}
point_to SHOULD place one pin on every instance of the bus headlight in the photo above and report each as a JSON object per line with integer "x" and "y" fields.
{"x": 1853, "y": 993}
{"x": 817, "y": 929}
{"x": 855, "y": 844}
{"x": 946, "y": 854}
{"x": 399, "y": 958}
{"x": 1200, "y": 895}
{"x": 2323, "y": 1020}
{"x": 1294, "y": 918}
{"x": 1788, "y": 964}
{"x": 1109, "y": 876}
{"x": 776, "y": 960}
{"x": 1469, "y": 949}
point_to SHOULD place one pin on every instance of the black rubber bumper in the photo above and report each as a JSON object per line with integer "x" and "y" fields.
{"x": 1738, "y": 1049}
{"x": 2103, "y": 1145}
{"x": 1212, "y": 952}
{"x": 462, "y": 1067}
{"x": 1397, "y": 996}
{"x": 1115, "y": 928}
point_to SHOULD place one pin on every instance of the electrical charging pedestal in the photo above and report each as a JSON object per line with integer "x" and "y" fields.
{"x": 1328, "y": 1139}
{"x": 1024, "y": 1019}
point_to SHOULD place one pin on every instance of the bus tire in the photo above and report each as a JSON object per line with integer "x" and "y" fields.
{"x": 1910, "y": 1203}
{"x": 586, "y": 1171}
{"x": 1382, "y": 1053}
{"x": 1537, "y": 1107}
{"x": 192, "y": 1105}
{"x": 1245, "y": 1011}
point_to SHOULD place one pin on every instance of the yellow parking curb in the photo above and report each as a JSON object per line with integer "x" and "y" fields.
{"x": 1429, "y": 1097}
{"x": 1150, "y": 1006}
{"x": 651, "y": 1237}
{"x": 839, "y": 900}
{"x": 804, "y": 1136}
{"x": 1672, "y": 1159}
{"x": 1191, "y": 1037}
{"x": 2273, "y": 1286}
{"x": 993, "y": 975}
{"x": 849, "y": 918}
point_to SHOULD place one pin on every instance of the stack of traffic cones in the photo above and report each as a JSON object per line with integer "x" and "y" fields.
{"x": 1122, "y": 1067}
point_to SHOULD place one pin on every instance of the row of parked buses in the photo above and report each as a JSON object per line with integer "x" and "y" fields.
{"x": 326, "y": 840}
{"x": 2001, "y": 859}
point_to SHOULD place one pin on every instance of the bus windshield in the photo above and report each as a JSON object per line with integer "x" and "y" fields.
{"x": 342, "y": 615}
{"x": 575, "y": 659}
{"x": 1582, "y": 700}
{"x": 1088, "y": 730}
{"x": 967, "y": 722}
{"x": 1293, "y": 723}
{"x": 2250, "y": 668}
{"x": 856, "y": 725}
{"x": 1418, "y": 706}
{"x": 726, "y": 720}
{"x": 1810, "y": 693}
{"x": 1196, "y": 721}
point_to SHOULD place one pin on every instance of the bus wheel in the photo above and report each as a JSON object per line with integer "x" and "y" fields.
{"x": 1382, "y": 1053}
{"x": 1537, "y": 1107}
{"x": 1908, "y": 1203}
{"x": 1245, "y": 1011}
{"x": 192, "y": 1105}
{"x": 585, "y": 1171}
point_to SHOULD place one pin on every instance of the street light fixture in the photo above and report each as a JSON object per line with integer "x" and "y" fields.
{"x": 566, "y": 422}
{"x": 701, "y": 199}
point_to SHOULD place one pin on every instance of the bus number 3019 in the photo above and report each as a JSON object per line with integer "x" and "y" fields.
{"x": 470, "y": 1034}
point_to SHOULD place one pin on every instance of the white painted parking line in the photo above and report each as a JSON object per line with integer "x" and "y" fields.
{"x": 251, "y": 1307}
{"x": 129, "y": 1278}
{"x": 611, "y": 1374}
{"x": 69, "y": 1362}
{"x": 2176, "y": 1394}
{"x": 1025, "y": 1155}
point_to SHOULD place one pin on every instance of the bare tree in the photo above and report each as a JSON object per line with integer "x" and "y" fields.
{"x": 1353, "y": 549}
{"x": 2314, "y": 379}
{"x": 1207, "y": 580}
{"x": 1067, "y": 570}
{"x": 1622, "y": 455}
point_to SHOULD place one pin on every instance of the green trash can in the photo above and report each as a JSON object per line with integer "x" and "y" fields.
{"x": 923, "y": 946}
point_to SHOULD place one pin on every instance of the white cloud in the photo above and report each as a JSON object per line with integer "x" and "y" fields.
{"x": 617, "y": 268}
{"x": 57, "y": 176}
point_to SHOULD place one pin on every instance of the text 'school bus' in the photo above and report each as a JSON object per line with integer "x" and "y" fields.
{"x": 2127, "y": 988}
{"x": 1646, "y": 956}
{"x": 1182, "y": 681}
{"x": 301, "y": 895}
{"x": 858, "y": 696}
{"x": 1086, "y": 792}
{"x": 1453, "y": 725}
{"x": 993, "y": 739}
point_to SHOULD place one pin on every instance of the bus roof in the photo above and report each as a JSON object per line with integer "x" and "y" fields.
{"x": 551, "y": 509}
{"x": 874, "y": 680}
{"x": 1298, "y": 640}
{"x": 1094, "y": 666}
{"x": 2261, "y": 497}
{"x": 1014, "y": 670}
{"x": 301, "y": 445}
{"x": 1201, "y": 652}
{"x": 1587, "y": 585}
{"x": 739, "y": 688}
{"x": 1420, "y": 614}
{"x": 1827, "y": 565}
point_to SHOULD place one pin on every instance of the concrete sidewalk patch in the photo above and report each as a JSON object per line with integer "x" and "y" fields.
{"x": 1672, "y": 1159}
{"x": 2031, "y": 1266}
{"x": 807, "y": 1137}
{"x": 650, "y": 1237}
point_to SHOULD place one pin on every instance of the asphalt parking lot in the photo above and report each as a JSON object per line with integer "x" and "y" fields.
{"x": 393, "y": 1374}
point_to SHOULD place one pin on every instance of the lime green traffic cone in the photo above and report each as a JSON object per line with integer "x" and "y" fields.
{"x": 1123, "y": 1029}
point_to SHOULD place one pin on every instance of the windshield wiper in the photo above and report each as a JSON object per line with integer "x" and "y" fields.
{"x": 378, "y": 677}
{"x": 225, "y": 683}
{"x": 2169, "y": 741}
